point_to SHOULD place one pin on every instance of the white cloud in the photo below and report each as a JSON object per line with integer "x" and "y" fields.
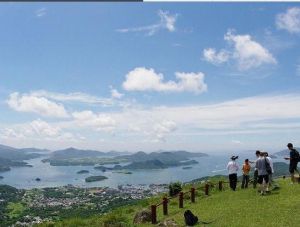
{"x": 167, "y": 22}
{"x": 34, "y": 104}
{"x": 143, "y": 79}
{"x": 211, "y": 55}
{"x": 73, "y": 97}
{"x": 248, "y": 53}
{"x": 36, "y": 130}
{"x": 99, "y": 122}
{"x": 290, "y": 20}
{"x": 40, "y": 12}
{"x": 115, "y": 94}
{"x": 164, "y": 128}
{"x": 236, "y": 142}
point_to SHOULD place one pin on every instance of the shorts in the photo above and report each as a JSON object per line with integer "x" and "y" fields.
{"x": 293, "y": 167}
{"x": 263, "y": 177}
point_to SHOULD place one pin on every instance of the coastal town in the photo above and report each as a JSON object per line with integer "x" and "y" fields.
{"x": 28, "y": 207}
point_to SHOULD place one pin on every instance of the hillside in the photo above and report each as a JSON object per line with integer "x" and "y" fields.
{"x": 226, "y": 208}
{"x": 18, "y": 154}
{"x": 285, "y": 152}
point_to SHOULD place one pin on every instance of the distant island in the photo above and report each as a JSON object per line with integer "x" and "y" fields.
{"x": 83, "y": 171}
{"x": 95, "y": 178}
{"x": 14, "y": 157}
{"x": 138, "y": 160}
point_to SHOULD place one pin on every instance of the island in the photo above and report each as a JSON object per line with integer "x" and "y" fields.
{"x": 1, "y": 177}
{"x": 187, "y": 167}
{"x": 83, "y": 171}
{"x": 95, "y": 178}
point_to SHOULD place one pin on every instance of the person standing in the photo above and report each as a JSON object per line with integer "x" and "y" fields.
{"x": 246, "y": 169}
{"x": 263, "y": 177}
{"x": 272, "y": 168}
{"x": 255, "y": 174}
{"x": 294, "y": 158}
{"x": 232, "y": 168}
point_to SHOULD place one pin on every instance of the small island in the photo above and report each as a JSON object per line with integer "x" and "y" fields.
{"x": 95, "y": 178}
{"x": 123, "y": 172}
{"x": 1, "y": 177}
{"x": 83, "y": 171}
{"x": 187, "y": 167}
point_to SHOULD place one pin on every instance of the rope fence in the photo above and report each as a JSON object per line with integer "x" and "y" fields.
{"x": 180, "y": 197}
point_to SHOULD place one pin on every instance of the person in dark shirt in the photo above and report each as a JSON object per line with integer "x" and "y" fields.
{"x": 294, "y": 158}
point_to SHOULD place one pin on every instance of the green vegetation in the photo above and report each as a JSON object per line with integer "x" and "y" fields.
{"x": 175, "y": 188}
{"x": 15, "y": 209}
{"x": 83, "y": 161}
{"x": 227, "y": 208}
{"x": 95, "y": 178}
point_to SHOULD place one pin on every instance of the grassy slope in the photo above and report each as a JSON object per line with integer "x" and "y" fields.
{"x": 227, "y": 208}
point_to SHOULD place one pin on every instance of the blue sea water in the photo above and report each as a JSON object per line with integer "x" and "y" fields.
{"x": 52, "y": 176}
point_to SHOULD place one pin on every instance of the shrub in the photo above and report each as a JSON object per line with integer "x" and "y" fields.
{"x": 174, "y": 188}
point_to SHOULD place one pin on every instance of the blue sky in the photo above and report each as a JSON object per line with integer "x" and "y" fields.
{"x": 211, "y": 77}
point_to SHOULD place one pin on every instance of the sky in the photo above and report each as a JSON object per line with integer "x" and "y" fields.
{"x": 206, "y": 77}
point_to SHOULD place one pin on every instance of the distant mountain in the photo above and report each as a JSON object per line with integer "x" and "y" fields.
{"x": 149, "y": 164}
{"x": 167, "y": 157}
{"x": 75, "y": 153}
{"x": 11, "y": 153}
{"x": 285, "y": 152}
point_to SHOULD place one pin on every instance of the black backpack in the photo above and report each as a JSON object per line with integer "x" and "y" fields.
{"x": 297, "y": 155}
{"x": 190, "y": 218}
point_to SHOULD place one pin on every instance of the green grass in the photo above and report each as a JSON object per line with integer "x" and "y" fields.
{"x": 15, "y": 209}
{"x": 227, "y": 208}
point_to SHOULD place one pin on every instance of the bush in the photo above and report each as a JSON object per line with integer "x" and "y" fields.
{"x": 174, "y": 188}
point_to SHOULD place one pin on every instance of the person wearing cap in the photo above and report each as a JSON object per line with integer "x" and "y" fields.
{"x": 294, "y": 158}
{"x": 232, "y": 168}
{"x": 263, "y": 177}
{"x": 246, "y": 169}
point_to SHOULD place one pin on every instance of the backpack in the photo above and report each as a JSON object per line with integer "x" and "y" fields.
{"x": 190, "y": 218}
{"x": 297, "y": 155}
{"x": 268, "y": 167}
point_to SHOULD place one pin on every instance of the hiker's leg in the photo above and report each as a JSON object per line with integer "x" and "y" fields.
{"x": 292, "y": 177}
{"x": 247, "y": 181}
{"x": 255, "y": 177}
{"x": 230, "y": 181}
{"x": 243, "y": 181}
{"x": 234, "y": 181}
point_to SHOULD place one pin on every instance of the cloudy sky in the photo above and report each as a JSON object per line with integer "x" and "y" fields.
{"x": 209, "y": 77}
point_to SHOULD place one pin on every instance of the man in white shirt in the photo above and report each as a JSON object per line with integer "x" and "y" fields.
{"x": 232, "y": 168}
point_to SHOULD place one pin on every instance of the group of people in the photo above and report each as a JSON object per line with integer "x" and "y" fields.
{"x": 263, "y": 170}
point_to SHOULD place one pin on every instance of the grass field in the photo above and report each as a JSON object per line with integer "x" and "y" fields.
{"x": 227, "y": 208}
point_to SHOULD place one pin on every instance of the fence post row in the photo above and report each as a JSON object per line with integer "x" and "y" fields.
{"x": 206, "y": 189}
{"x": 165, "y": 206}
{"x": 180, "y": 199}
{"x": 153, "y": 214}
{"x": 192, "y": 195}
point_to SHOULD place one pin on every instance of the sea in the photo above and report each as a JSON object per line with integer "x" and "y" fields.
{"x": 54, "y": 176}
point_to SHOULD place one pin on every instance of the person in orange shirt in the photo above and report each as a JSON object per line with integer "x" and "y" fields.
{"x": 246, "y": 169}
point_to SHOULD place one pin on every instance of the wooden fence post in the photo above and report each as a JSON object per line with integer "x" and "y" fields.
{"x": 165, "y": 206}
{"x": 153, "y": 214}
{"x": 220, "y": 185}
{"x": 192, "y": 195}
{"x": 180, "y": 199}
{"x": 206, "y": 189}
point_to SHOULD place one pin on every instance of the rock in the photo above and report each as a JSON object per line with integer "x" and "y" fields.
{"x": 168, "y": 223}
{"x": 142, "y": 216}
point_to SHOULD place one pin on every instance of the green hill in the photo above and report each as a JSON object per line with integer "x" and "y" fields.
{"x": 226, "y": 208}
